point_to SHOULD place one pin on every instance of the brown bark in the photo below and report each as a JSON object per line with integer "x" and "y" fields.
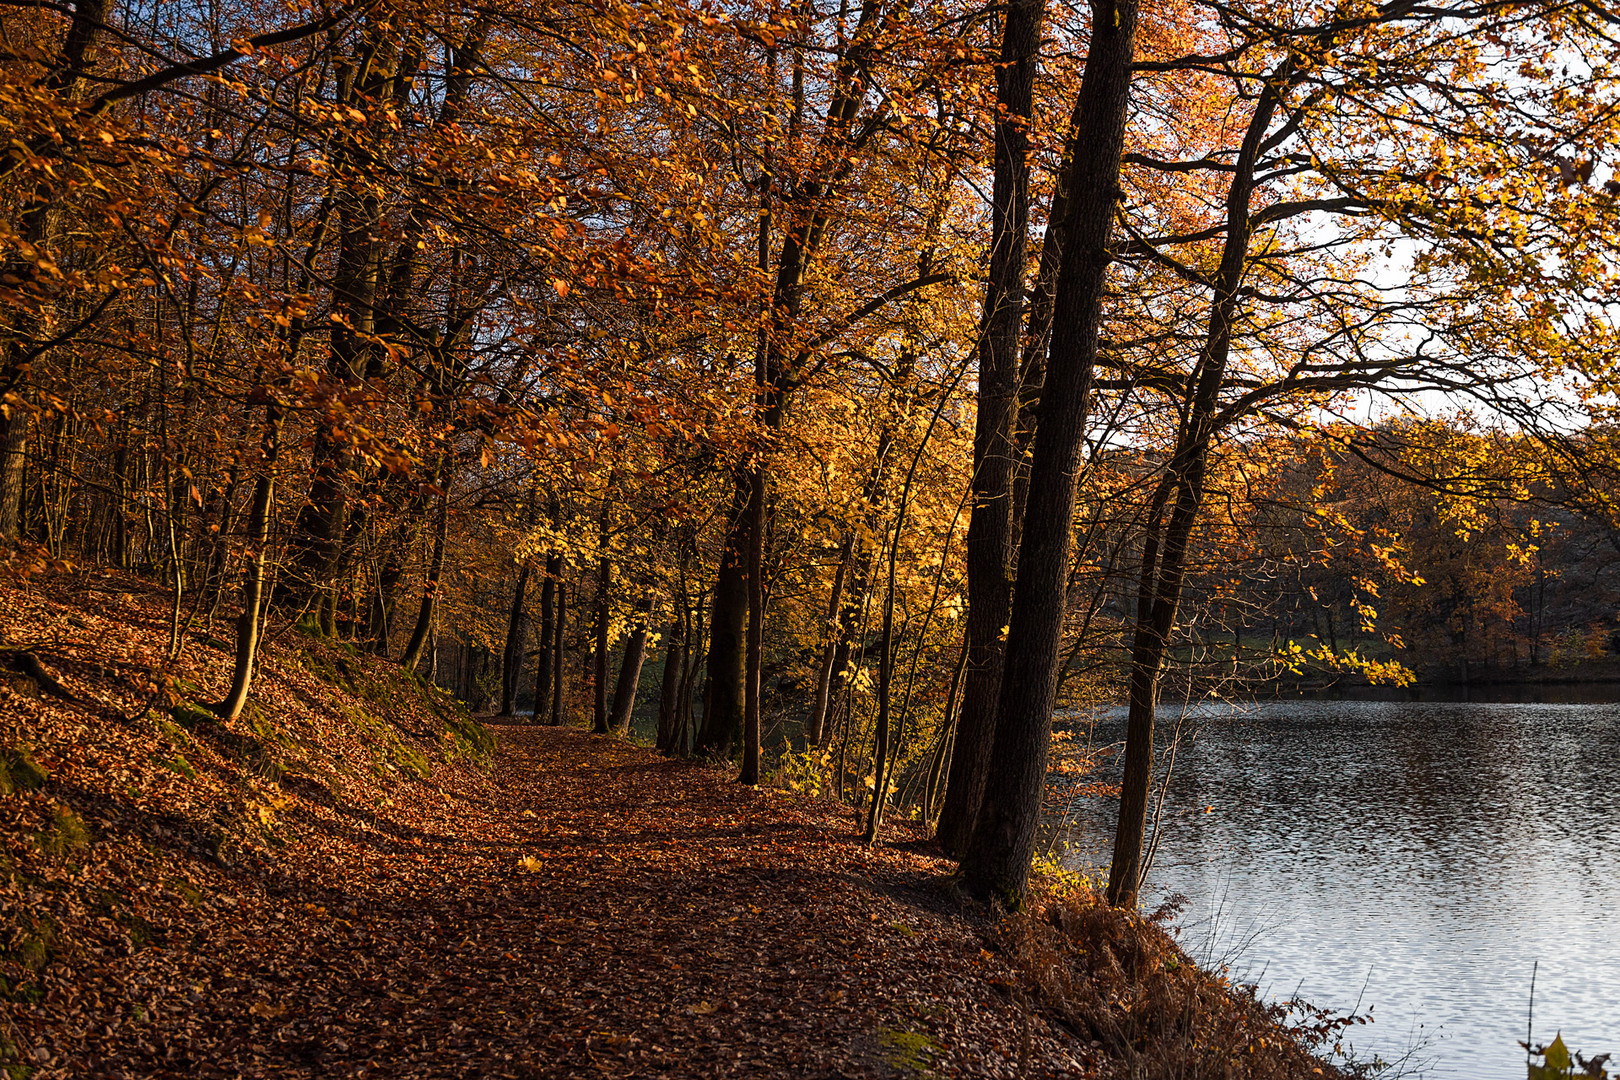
{"x": 816, "y": 724}
{"x": 603, "y": 644}
{"x": 990, "y": 524}
{"x": 996, "y": 861}
{"x": 247, "y": 623}
{"x": 430, "y": 587}
{"x": 512, "y": 654}
{"x": 669, "y": 695}
{"x": 544, "y": 669}
{"x": 624, "y": 693}
{"x": 724, "y": 693}
{"x": 559, "y": 654}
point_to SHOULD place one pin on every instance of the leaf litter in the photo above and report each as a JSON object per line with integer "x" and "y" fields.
{"x": 345, "y": 884}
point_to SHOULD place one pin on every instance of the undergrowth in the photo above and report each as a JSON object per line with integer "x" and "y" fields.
{"x": 1119, "y": 978}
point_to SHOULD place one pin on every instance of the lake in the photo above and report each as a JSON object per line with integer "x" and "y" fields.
{"x": 1419, "y": 856}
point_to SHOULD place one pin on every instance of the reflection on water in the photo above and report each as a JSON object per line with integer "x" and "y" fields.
{"x": 1417, "y": 855}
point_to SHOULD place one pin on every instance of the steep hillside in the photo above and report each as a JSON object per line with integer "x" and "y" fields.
{"x": 133, "y": 822}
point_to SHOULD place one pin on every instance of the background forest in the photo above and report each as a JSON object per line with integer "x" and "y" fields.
{"x": 688, "y": 366}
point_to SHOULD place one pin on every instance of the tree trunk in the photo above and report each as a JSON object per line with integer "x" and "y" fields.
{"x": 624, "y": 694}
{"x": 940, "y": 762}
{"x": 430, "y": 588}
{"x": 599, "y": 658}
{"x": 247, "y": 624}
{"x": 756, "y": 630}
{"x": 382, "y": 605}
{"x": 990, "y": 525}
{"x": 1159, "y": 591}
{"x": 669, "y": 695}
{"x": 512, "y": 655}
{"x": 559, "y": 654}
{"x": 38, "y": 219}
{"x": 724, "y": 694}
{"x": 543, "y": 669}
{"x": 817, "y": 721}
{"x": 995, "y": 863}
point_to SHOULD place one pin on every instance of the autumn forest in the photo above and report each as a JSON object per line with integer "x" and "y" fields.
{"x": 829, "y": 394}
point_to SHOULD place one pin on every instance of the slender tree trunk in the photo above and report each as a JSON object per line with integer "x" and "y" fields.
{"x": 940, "y": 762}
{"x": 382, "y": 605}
{"x": 1162, "y": 574}
{"x": 624, "y": 693}
{"x": 599, "y": 659}
{"x": 512, "y": 655}
{"x": 756, "y": 629}
{"x": 669, "y": 696}
{"x": 990, "y": 526}
{"x": 430, "y": 588}
{"x": 686, "y": 725}
{"x": 559, "y": 646}
{"x": 995, "y": 863}
{"x": 543, "y": 669}
{"x": 258, "y": 556}
{"x": 880, "y": 755}
{"x": 818, "y": 714}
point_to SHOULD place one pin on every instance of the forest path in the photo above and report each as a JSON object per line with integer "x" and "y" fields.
{"x": 598, "y": 911}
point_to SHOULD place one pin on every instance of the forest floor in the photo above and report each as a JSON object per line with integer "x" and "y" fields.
{"x": 594, "y": 910}
{"x": 357, "y": 879}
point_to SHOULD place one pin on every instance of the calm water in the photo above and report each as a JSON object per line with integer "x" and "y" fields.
{"x": 1417, "y": 855}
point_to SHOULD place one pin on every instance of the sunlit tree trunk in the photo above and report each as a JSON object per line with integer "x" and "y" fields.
{"x": 990, "y": 526}
{"x": 253, "y": 581}
{"x": 995, "y": 863}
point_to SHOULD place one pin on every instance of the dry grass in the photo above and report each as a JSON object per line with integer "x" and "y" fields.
{"x": 1119, "y": 980}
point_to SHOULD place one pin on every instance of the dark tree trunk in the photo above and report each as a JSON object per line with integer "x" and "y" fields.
{"x": 990, "y": 526}
{"x": 544, "y": 671}
{"x": 756, "y": 629}
{"x": 512, "y": 655}
{"x": 599, "y": 657}
{"x": 808, "y": 212}
{"x": 559, "y": 646}
{"x": 430, "y": 587}
{"x": 724, "y": 696}
{"x": 995, "y": 863}
{"x": 1159, "y": 587}
{"x": 624, "y": 693}
{"x": 669, "y": 696}
{"x": 382, "y": 605}
{"x": 686, "y": 726}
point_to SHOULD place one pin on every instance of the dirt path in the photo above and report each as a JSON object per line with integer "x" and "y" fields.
{"x": 592, "y": 911}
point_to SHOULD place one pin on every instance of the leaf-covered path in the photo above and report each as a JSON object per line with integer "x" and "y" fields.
{"x": 593, "y": 910}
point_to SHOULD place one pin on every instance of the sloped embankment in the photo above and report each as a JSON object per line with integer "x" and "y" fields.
{"x": 137, "y": 833}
